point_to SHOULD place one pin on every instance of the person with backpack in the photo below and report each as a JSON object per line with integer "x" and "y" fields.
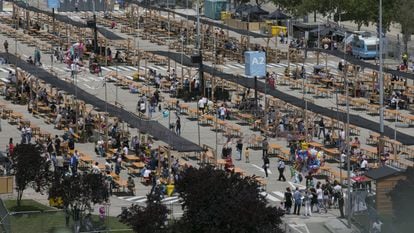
{"x": 281, "y": 169}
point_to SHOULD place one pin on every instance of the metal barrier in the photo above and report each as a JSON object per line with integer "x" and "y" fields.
{"x": 5, "y": 218}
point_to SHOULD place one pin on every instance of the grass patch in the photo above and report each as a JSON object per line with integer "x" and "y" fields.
{"x": 50, "y": 222}
{"x": 25, "y": 205}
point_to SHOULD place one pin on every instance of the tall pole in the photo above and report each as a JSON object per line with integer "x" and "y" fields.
{"x": 381, "y": 83}
{"x": 347, "y": 147}
{"x": 200, "y": 65}
{"x": 288, "y": 53}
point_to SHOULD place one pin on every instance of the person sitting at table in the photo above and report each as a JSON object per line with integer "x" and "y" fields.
{"x": 356, "y": 143}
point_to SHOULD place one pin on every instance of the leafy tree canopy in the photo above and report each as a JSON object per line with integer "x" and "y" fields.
{"x": 79, "y": 192}
{"x": 216, "y": 201}
{"x": 31, "y": 169}
{"x": 148, "y": 219}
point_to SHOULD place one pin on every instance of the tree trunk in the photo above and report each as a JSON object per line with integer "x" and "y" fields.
{"x": 19, "y": 197}
{"x": 314, "y": 16}
{"x": 406, "y": 38}
{"x": 359, "y": 26}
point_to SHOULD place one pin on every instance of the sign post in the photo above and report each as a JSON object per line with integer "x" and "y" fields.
{"x": 54, "y": 4}
{"x": 255, "y": 64}
{"x": 255, "y": 67}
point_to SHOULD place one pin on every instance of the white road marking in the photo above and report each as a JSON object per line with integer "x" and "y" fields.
{"x": 261, "y": 169}
{"x": 5, "y": 71}
{"x": 294, "y": 185}
{"x": 132, "y": 68}
{"x": 268, "y": 196}
{"x": 279, "y": 194}
{"x": 104, "y": 68}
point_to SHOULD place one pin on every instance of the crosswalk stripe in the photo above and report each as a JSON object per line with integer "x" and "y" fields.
{"x": 275, "y": 65}
{"x": 132, "y": 68}
{"x": 239, "y": 65}
{"x": 129, "y": 77}
{"x": 113, "y": 68}
{"x": 171, "y": 202}
{"x": 134, "y": 198}
{"x": 10, "y": 69}
{"x": 229, "y": 66}
{"x": 104, "y": 68}
{"x": 5, "y": 71}
{"x": 144, "y": 199}
{"x": 123, "y": 68}
{"x": 161, "y": 67}
{"x": 143, "y": 68}
{"x": 268, "y": 196}
{"x": 169, "y": 198}
{"x": 152, "y": 67}
{"x": 279, "y": 194}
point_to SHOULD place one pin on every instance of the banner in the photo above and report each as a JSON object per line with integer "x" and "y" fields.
{"x": 255, "y": 64}
{"x": 53, "y": 4}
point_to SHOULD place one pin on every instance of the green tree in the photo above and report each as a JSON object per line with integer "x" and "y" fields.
{"x": 405, "y": 18}
{"x": 31, "y": 169}
{"x": 216, "y": 201}
{"x": 146, "y": 219}
{"x": 79, "y": 193}
{"x": 401, "y": 198}
{"x": 360, "y": 12}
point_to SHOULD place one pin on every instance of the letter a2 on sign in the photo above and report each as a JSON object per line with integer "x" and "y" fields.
{"x": 255, "y": 64}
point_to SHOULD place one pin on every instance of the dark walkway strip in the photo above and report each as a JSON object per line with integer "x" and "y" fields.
{"x": 151, "y": 127}
{"x": 298, "y": 102}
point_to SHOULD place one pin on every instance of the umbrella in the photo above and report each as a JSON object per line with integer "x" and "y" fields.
{"x": 278, "y": 14}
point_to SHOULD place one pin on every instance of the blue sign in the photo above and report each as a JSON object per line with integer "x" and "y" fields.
{"x": 53, "y": 4}
{"x": 255, "y": 64}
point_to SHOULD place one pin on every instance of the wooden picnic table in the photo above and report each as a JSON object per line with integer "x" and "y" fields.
{"x": 240, "y": 171}
{"x": 317, "y": 145}
{"x": 331, "y": 152}
{"x": 138, "y": 164}
{"x": 274, "y": 148}
{"x": 131, "y": 158}
{"x": 246, "y": 117}
{"x": 85, "y": 158}
{"x": 221, "y": 163}
{"x": 369, "y": 151}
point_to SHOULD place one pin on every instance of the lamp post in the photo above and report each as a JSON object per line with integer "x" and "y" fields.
{"x": 381, "y": 83}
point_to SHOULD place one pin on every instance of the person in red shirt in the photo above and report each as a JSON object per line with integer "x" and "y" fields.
{"x": 11, "y": 147}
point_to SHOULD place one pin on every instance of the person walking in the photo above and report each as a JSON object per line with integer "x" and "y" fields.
{"x": 6, "y": 46}
{"x": 37, "y": 57}
{"x": 281, "y": 168}
{"x": 74, "y": 160}
{"x": 297, "y": 196}
{"x": 321, "y": 128}
{"x": 247, "y": 155}
{"x": 341, "y": 204}
{"x": 265, "y": 147}
{"x": 288, "y": 200}
{"x": 239, "y": 148}
{"x": 266, "y": 163}
{"x": 178, "y": 126}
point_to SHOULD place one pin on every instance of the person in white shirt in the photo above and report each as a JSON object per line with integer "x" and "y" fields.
{"x": 95, "y": 168}
{"x": 222, "y": 112}
{"x": 364, "y": 165}
{"x": 201, "y": 105}
{"x": 125, "y": 149}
